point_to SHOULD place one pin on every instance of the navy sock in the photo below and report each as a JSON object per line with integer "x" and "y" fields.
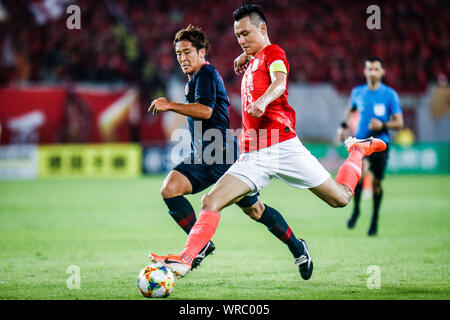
{"x": 180, "y": 209}
{"x": 357, "y": 197}
{"x": 276, "y": 224}
{"x": 376, "y": 207}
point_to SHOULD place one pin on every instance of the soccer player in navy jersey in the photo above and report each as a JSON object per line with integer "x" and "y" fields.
{"x": 380, "y": 111}
{"x": 207, "y": 109}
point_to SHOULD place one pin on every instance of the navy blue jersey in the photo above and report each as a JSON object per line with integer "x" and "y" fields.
{"x": 381, "y": 104}
{"x": 207, "y": 87}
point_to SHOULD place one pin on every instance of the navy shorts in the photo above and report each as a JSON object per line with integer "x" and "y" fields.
{"x": 378, "y": 163}
{"x": 202, "y": 176}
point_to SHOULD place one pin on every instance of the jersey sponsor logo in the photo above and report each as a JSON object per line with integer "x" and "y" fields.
{"x": 379, "y": 109}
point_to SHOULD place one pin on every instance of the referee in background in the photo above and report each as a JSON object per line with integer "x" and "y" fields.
{"x": 380, "y": 111}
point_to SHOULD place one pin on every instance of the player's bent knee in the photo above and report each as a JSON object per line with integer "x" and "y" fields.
{"x": 209, "y": 203}
{"x": 169, "y": 191}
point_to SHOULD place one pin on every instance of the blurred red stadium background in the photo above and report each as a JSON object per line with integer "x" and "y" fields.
{"x": 127, "y": 45}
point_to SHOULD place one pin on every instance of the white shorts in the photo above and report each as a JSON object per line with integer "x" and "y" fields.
{"x": 288, "y": 161}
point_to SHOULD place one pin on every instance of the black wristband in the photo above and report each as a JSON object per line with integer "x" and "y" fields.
{"x": 384, "y": 126}
{"x": 344, "y": 125}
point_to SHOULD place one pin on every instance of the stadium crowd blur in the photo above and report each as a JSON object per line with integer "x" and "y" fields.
{"x": 130, "y": 43}
{"x": 324, "y": 40}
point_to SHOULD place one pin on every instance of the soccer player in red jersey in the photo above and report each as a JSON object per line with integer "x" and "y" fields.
{"x": 269, "y": 147}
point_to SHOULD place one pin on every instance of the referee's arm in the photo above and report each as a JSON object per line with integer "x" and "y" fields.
{"x": 395, "y": 123}
{"x": 342, "y": 129}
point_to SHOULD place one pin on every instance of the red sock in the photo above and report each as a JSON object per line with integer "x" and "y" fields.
{"x": 200, "y": 234}
{"x": 350, "y": 172}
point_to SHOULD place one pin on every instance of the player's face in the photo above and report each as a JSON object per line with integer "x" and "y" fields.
{"x": 250, "y": 37}
{"x": 189, "y": 58}
{"x": 373, "y": 71}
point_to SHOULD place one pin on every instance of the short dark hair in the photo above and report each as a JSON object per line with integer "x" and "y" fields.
{"x": 193, "y": 34}
{"x": 375, "y": 59}
{"x": 248, "y": 10}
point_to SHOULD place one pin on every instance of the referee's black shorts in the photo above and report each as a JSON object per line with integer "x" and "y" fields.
{"x": 378, "y": 163}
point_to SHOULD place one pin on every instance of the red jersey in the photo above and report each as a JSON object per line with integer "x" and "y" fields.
{"x": 277, "y": 124}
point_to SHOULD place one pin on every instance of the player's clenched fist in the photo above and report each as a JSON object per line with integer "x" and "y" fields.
{"x": 256, "y": 109}
{"x": 159, "y": 105}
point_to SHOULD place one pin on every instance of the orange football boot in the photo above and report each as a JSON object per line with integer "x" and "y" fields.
{"x": 178, "y": 266}
{"x": 369, "y": 145}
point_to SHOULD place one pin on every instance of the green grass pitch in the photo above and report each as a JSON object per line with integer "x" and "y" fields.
{"x": 107, "y": 227}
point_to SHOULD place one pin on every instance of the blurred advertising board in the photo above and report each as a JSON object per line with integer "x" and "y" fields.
{"x": 132, "y": 160}
{"x": 420, "y": 158}
{"x": 67, "y": 114}
{"x": 90, "y": 160}
{"x": 18, "y": 162}
{"x": 417, "y": 158}
{"x": 31, "y": 115}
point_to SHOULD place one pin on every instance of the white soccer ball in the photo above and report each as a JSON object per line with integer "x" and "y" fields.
{"x": 156, "y": 281}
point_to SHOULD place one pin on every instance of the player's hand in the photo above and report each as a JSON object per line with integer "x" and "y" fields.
{"x": 256, "y": 109}
{"x": 159, "y": 105}
{"x": 375, "y": 124}
{"x": 241, "y": 63}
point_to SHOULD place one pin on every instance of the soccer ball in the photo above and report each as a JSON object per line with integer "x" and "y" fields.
{"x": 156, "y": 281}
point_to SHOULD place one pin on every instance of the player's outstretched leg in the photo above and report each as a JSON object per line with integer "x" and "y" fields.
{"x": 369, "y": 145}
{"x": 338, "y": 193}
{"x": 350, "y": 172}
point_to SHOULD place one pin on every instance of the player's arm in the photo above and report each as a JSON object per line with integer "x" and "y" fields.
{"x": 241, "y": 63}
{"x": 278, "y": 77}
{"x": 195, "y": 110}
{"x": 273, "y": 92}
